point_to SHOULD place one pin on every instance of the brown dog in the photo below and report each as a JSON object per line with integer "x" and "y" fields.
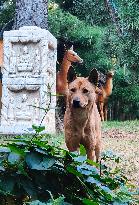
{"x": 82, "y": 121}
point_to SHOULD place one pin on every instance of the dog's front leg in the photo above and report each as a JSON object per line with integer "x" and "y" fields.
{"x": 72, "y": 143}
{"x": 89, "y": 143}
{"x": 98, "y": 151}
{"x": 91, "y": 154}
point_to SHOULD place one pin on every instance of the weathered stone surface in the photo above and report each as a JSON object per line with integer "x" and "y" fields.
{"x": 28, "y": 74}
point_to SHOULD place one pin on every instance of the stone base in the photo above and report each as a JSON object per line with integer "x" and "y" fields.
{"x": 22, "y": 129}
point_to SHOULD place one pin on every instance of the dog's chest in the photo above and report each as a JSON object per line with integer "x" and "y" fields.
{"x": 83, "y": 128}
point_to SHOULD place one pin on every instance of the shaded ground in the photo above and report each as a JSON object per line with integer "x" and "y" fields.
{"x": 123, "y": 139}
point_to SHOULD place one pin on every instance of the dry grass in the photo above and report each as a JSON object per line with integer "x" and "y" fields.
{"x": 123, "y": 139}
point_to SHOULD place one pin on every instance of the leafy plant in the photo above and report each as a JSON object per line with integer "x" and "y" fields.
{"x": 58, "y": 201}
{"x": 33, "y": 169}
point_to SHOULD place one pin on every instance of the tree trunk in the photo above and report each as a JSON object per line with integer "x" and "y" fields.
{"x": 113, "y": 16}
{"x": 31, "y": 13}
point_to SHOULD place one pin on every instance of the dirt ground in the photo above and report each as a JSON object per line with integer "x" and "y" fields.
{"x": 123, "y": 139}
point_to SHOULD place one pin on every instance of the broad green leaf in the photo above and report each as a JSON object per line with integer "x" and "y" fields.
{"x": 4, "y": 149}
{"x": 7, "y": 184}
{"x": 21, "y": 143}
{"x": 106, "y": 189}
{"x": 37, "y": 202}
{"x": 38, "y": 162}
{"x": 2, "y": 168}
{"x": 42, "y": 151}
{"x": 33, "y": 159}
{"x": 80, "y": 159}
{"x": 92, "y": 163}
{"x": 14, "y": 148}
{"x": 93, "y": 181}
{"x": 82, "y": 150}
{"x": 89, "y": 202}
{"x": 73, "y": 154}
{"x": 42, "y": 144}
{"x": 72, "y": 170}
{"x": 14, "y": 158}
{"x": 87, "y": 169}
{"x": 119, "y": 203}
{"x": 47, "y": 162}
{"x": 84, "y": 171}
{"x": 2, "y": 158}
{"x": 29, "y": 187}
{"x": 21, "y": 169}
{"x": 38, "y": 129}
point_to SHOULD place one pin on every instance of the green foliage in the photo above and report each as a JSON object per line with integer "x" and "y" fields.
{"x": 38, "y": 129}
{"x": 125, "y": 97}
{"x": 129, "y": 20}
{"x": 70, "y": 28}
{"x": 58, "y": 201}
{"x": 99, "y": 53}
{"x": 7, "y": 9}
{"x": 88, "y": 25}
{"x": 33, "y": 169}
{"x": 126, "y": 125}
{"x": 129, "y": 12}
{"x": 89, "y": 11}
{"x": 88, "y": 40}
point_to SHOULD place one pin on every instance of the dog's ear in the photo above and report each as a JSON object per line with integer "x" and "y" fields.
{"x": 93, "y": 77}
{"x": 71, "y": 75}
{"x": 71, "y": 48}
{"x": 65, "y": 47}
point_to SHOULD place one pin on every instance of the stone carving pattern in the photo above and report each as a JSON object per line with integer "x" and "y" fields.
{"x": 28, "y": 60}
{"x": 25, "y": 60}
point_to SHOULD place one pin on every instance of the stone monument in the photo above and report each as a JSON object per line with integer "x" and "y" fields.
{"x": 29, "y": 74}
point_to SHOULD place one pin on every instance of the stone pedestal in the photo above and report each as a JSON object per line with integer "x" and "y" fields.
{"x": 29, "y": 74}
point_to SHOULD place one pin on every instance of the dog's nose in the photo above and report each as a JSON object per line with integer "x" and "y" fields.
{"x": 76, "y": 103}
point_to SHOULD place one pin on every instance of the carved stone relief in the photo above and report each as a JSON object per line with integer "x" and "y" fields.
{"x": 30, "y": 66}
{"x": 25, "y": 59}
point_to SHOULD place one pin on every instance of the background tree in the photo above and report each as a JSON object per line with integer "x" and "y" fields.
{"x": 91, "y": 26}
{"x": 31, "y": 13}
{"x": 24, "y": 13}
{"x": 7, "y": 9}
{"x": 110, "y": 50}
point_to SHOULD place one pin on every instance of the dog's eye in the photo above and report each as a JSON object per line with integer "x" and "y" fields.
{"x": 73, "y": 90}
{"x": 85, "y": 90}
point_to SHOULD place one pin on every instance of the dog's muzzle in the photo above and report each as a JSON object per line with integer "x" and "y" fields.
{"x": 76, "y": 103}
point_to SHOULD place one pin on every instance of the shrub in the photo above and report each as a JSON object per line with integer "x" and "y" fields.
{"x": 33, "y": 170}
